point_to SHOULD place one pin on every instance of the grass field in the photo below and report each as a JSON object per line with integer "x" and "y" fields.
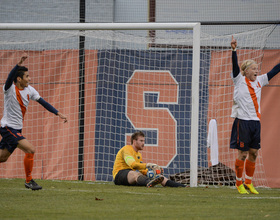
{"x": 99, "y": 200}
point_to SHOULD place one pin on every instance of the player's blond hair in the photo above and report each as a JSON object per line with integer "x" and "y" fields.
{"x": 245, "y": 65}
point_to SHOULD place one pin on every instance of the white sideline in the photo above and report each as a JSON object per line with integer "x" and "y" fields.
{"x": 240, "y": 197}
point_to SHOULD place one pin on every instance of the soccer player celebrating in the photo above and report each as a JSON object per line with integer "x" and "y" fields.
{"x": 129, "y": 170}
{"x": 16, "y": 100}
{"x": 246, "y": 129}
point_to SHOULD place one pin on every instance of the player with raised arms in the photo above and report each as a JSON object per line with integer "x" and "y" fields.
{"x": 17, "y": 93}
{"x": 129, "y": 169}
{"x": 246, "y": 129}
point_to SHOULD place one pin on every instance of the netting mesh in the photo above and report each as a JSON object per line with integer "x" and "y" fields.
{"x": 128, "y": 81}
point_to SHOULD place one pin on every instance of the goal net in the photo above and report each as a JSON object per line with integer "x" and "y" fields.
{"x": 216, "y": 161}
{"x": 111, "y": 83}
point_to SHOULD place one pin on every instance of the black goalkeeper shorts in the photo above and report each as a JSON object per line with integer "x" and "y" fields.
{"x": 121, "y": 177}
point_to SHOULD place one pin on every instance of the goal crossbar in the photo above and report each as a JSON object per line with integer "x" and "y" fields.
{"x": 97, "y": 26}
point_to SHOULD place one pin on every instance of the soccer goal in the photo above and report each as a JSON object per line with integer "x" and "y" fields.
{"x": 165, "y": 79}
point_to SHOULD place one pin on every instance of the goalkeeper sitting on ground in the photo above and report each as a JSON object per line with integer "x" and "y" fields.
{"x": 129, "y": 170}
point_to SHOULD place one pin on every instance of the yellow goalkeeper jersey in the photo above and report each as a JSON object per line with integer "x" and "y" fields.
{"x": 128, "y": 158}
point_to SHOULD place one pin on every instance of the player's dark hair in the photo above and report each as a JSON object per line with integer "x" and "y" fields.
{"x": 20, "y": 72}
{"x": 135, "y": 136}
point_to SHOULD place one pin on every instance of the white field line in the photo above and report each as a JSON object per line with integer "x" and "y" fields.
{"x": 85, "y": 191}
{"x": 271, "y": 197}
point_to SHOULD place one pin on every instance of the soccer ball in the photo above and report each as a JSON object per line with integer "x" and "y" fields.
{"x": 150, "y": 174}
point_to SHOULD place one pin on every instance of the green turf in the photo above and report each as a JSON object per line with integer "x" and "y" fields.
{"x": 98, "y": 200}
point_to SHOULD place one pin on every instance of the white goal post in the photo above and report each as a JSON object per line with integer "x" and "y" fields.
{"x": 99, "y": 26}
{"x": 195, "y": 27}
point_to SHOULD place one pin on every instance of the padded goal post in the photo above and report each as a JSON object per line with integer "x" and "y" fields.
{"x": 112, "y": 79}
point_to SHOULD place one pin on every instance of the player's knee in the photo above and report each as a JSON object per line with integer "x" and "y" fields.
{"x": 133, "y": 176}
{"x": 242, "y": 155}
{"x": 136, "y": 175}
{"x": 253, "y": 156}
{"x": 26, "y": 147}
{"x": 3, "y": 159}
{"x": 30, "y": 150}
{"x": 4, "y": 155}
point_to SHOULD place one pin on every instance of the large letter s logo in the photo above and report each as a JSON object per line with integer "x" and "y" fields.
{"x": 159, "y": 119}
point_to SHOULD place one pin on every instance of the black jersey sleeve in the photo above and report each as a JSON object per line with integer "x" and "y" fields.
{"x": 235, "y": 67}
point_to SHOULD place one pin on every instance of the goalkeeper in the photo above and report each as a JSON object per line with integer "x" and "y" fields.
{"x": 129, "y": 170}
{"x": 17, "y": 93}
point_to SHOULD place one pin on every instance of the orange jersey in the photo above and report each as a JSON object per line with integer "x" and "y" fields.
{"x": 128, "y": 158}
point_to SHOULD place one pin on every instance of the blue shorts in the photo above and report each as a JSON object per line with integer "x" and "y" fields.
{"x": 10, "y": 138}
{"x": 245, "y": 135}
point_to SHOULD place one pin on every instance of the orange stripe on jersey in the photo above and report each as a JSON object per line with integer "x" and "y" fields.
{"x": 23, "y": 108}
{"x": 253, "y": 96}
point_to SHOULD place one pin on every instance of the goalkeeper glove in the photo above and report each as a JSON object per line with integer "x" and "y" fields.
{"x": 156, "y": 168}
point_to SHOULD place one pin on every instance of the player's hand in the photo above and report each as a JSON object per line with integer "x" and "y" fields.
{"x": 22, "y": 59}
{"x": 151, "y": 165}
{"x": 233, "y": 43}
{"x": 154, "y": 167}
{"x": 62, "y": 116}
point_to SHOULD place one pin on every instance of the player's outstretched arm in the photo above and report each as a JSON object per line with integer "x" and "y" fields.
{"x": 273, "y": 72}
{"x": 235, "y": 67}
{"x": 51, "y": 109}
{"x": 13, "y": 72}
